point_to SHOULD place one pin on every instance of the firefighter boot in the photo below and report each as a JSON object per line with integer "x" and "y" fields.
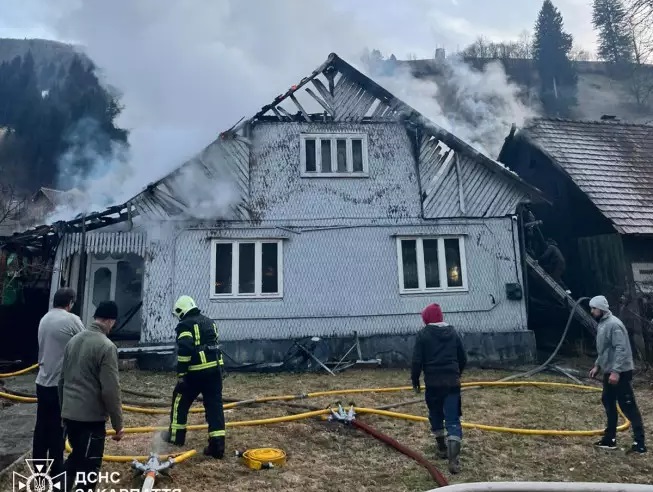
{"x": 215, "y": 449}
{"x": 179, "y": 440}
{"x": 453, "y": 452}
{"x": 442, "y": 447}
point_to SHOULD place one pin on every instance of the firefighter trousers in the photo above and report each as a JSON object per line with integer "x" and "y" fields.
{"x": 208, "y": 383}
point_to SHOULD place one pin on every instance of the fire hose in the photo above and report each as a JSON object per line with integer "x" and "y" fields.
{"x": 18, "y": 373}
{"x": 417, "y": 418}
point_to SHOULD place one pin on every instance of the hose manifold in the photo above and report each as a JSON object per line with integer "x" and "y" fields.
{"x": 342, "y": 415}
{"x": 154, "y": 465}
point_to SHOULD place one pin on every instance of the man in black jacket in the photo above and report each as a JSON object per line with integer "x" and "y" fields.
{"x": 199, "y": 370}
{"x": 440, "y": 353}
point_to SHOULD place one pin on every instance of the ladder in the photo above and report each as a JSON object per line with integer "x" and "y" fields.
{"x": 561, "y": 294}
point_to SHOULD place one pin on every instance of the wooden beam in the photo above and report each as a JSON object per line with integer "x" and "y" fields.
{"x": 319, "y": 100}
{"x": 285, "y": 113}
{"x": 324, "y": 92}
{"x": 304, "y": 113}
{"x": 276, "y": 112}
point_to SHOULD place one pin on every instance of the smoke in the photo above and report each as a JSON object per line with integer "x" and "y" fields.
{"x": 189, "y": 69}
{"x": 478, "y": 106}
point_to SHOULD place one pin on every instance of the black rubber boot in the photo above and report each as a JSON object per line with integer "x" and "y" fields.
{"x": 442, "y": 447}
{"x": 453, "y": 453}
{"x": 215, "y": 449}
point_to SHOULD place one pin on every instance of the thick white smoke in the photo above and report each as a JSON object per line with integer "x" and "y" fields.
{"x": 476, "y": 106}
{"x": 189, "y": 69}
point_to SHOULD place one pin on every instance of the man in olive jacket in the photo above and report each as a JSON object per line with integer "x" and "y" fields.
{"x": 89, "y": 391}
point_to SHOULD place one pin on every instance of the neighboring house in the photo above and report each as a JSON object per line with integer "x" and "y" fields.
{"x": 323, "y": 224}
{"x": 47, "y": 200}
{"x": 599, "y": 177}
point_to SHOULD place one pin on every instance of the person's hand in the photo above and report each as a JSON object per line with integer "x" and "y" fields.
{"x": 118, "y": 435}
{"x": 614, "y": 378}
{"x": 594, "y": 372}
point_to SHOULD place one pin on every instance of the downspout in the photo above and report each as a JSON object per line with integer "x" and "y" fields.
{"x": 523, "y": 253}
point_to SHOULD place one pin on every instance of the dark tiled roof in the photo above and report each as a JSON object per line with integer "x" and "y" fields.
{"x": 610, "y": 161}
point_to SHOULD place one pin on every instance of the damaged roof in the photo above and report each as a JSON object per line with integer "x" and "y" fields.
{"x": 610, "y": 161}
{"x": 345, "y": 95}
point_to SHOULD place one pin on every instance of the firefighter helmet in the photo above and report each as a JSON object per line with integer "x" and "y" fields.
{"x": 183, "y": 305}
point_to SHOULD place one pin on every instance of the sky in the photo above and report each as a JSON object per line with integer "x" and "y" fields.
{"x": 189, "y": 69}
{"x": 405, "y": 26}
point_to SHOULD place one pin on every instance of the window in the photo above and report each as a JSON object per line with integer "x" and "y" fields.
{"x": 246, "y": 268}
{"x": 334, "y": 155}
{"x": 431, "y": 264}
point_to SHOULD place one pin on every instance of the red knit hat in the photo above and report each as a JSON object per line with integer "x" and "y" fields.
{"x": 432, "y": 314}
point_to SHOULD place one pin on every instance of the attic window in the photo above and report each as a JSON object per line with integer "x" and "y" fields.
{"x": 334, "y": 155}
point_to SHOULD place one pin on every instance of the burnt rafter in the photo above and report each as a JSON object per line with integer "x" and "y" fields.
{"x": 40, "y": 236}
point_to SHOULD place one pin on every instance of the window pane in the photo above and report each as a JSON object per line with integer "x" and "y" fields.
{"x": 101, "y": 285}
{"x": 310, "y": 156}
{"x": 269, "y": 265}
{"x": 431, "y": 265}
{"x": 223, "y": 253}
{"x": 246, "y": 268}
{"x": 326, "y": 155}
{"x": 342, "y": 155}
{"x": 357, "y": 153}
{"x": 454, "y": 267}
{"x": 409, "y": 259}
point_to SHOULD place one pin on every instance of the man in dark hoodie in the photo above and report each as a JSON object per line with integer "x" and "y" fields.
{"x": 440, "y": 353}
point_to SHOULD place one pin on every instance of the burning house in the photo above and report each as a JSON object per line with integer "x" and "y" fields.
{"x": 346, "y": 220}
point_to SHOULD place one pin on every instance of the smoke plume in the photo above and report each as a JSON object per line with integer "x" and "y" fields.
{"x": 190, "y": 69}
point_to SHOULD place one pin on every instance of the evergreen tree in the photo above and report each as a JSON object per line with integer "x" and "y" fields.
{"x": 615, "y": 40}
{"x": 551, "y": 48}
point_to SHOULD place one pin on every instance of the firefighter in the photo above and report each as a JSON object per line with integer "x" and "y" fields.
{"x": 199, "y": 370}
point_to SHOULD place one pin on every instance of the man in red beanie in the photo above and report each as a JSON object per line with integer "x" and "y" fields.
{"x": 440, "y": 353}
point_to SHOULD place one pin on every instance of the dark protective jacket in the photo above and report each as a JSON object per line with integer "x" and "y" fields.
{"x": 197, "y": 344}
{"x": 440, "y": 353}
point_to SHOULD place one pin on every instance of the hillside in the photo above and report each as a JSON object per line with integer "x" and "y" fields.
{"x": 55, "y": 115}
{"x": 51, "y": 58}
{"x": 599, "y": 91}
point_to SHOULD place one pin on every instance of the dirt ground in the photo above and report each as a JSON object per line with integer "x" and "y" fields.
{"x": 323, "y": 455}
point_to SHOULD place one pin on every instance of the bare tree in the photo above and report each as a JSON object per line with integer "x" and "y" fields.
{"x": 640, "y": 20}
{"x": 12, "y": 203}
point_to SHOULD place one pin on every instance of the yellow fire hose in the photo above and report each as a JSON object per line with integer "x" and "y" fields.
{"x": 259, "y": 458}
{"x": 306, "y": 415}
{"x": 18, "y": 373}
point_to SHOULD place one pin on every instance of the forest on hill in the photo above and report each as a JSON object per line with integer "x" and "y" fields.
{"x": 49, "y": 96}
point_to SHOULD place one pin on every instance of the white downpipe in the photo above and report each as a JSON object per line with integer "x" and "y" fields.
{"x": 544, "y": 487}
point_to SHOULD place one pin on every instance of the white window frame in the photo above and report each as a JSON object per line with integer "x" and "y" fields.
{"x": 333, "y": 137}
{"x": 235, "y": 273}
{"x": 442, "y": 266}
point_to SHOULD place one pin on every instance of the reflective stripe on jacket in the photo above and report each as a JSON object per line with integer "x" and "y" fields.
{"x": 197, "y": 344}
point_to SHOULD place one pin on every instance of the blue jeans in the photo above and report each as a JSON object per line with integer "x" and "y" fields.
{"x": 444, "y": 411}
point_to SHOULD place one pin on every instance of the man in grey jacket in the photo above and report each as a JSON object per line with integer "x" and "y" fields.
{"x": 56, "y": 329}
{"x": 615, "y": 363}
{"x": 89, "y": 390}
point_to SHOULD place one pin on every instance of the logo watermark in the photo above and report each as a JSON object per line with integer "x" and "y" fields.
{"x": 39, "y": 479}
